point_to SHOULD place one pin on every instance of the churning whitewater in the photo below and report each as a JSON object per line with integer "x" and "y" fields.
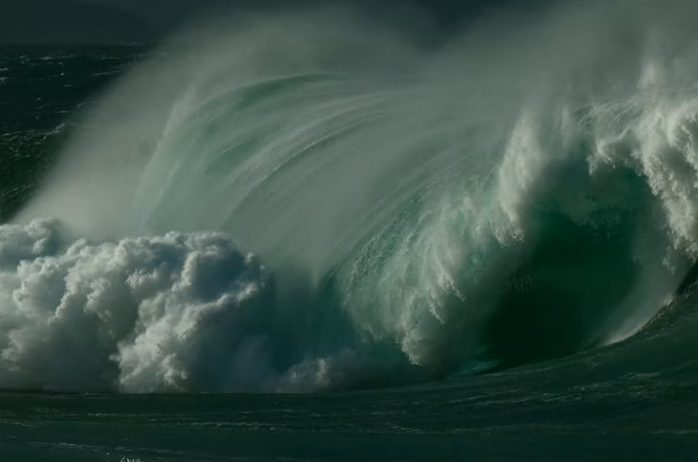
{"x": 319, "y": 202}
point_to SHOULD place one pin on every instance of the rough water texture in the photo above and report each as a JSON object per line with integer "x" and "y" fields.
{"x": 503, "y": 223}
{"x": 521, "y": 192}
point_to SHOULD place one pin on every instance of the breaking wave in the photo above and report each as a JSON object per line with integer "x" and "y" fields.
{"x": 523, "y": 191}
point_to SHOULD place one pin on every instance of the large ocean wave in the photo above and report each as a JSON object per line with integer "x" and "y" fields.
{"x": 523, "y": 191}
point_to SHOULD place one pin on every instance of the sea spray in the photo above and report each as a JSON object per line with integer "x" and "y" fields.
{"x": 524, "y": 191}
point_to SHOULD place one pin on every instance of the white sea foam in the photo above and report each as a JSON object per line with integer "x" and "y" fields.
{"x": 140, "y": 314}
{"x": 412, "y": 203}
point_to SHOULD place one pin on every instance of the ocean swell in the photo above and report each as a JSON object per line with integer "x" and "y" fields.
{"x": 519, "y": 193}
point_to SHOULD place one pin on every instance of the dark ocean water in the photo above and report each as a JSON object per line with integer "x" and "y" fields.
{"x": 634, "y": 400}
{"x": 41, "y": 87}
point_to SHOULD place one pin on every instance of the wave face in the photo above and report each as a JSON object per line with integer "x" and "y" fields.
{"x": 524, "y": 191}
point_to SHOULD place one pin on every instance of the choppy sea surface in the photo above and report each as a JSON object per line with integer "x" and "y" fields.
{"x": 568, "y": 398}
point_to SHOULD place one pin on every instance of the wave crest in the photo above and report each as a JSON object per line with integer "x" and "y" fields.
{"x": 519, "y": 193}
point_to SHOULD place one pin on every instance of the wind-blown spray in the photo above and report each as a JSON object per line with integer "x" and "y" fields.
{"x": 525, "y": 190}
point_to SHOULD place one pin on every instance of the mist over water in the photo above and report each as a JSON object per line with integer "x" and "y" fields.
{"x": 524, "y": 190}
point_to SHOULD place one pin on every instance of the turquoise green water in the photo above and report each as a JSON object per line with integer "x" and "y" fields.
{"x": 232, "y": 253}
